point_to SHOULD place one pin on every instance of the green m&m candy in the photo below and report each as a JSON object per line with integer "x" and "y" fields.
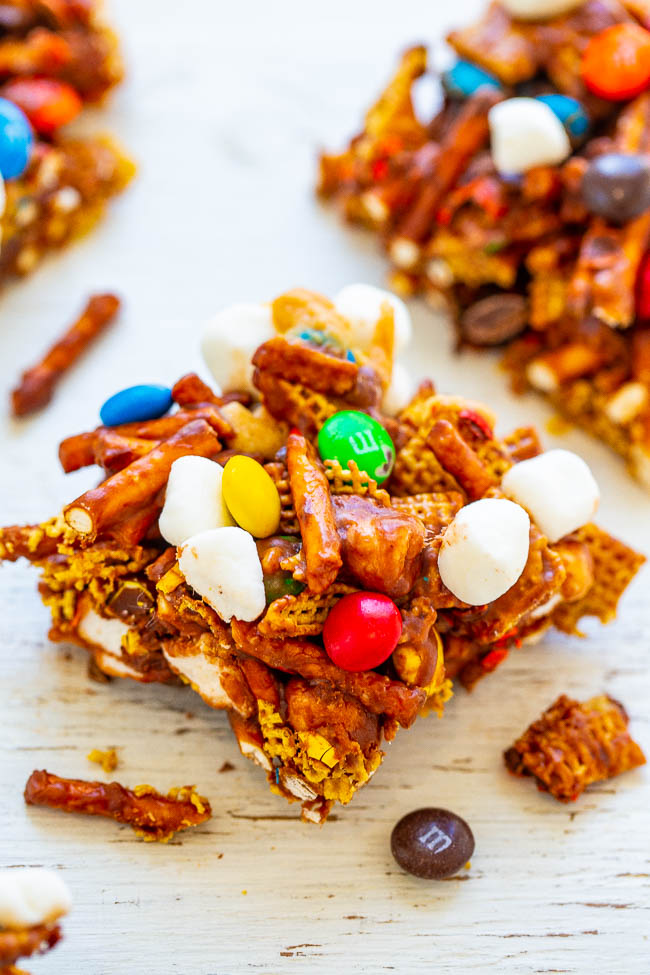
{"x": 350, "y": 435}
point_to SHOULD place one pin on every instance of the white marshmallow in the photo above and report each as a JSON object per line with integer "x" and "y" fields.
{"x": 400, "y": 391}
{"x": 223, "y": 566}
{"x": 484, "y": 550}
{"x": 361, "y": 305}
{"x": 558, "y": 490}
{"x": 204, "y": 675}
{"x": 30, "y": 896}
{"x": 193, "y": 500}
{"x": 525, "y": 133}
{"x": 539, "y": 9}
{"x": 230, "y": 340}
{"x": 107, "y": 634}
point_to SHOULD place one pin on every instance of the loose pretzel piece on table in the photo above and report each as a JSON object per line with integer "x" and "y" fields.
{"x": 575, "y": 744}
{"x": 38, "y": 383}
{"x": 135, "y": 487}
{"x": 313, "y": 503}
{"x": 152, "y": 815}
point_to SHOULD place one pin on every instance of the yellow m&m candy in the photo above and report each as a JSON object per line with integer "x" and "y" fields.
{"x": 251, "y": 496}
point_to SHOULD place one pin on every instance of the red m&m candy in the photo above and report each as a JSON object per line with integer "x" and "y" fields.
{"x": 362, "y": 630}
{"x": 616, "y": 62}
{"x": 47, "y": 103}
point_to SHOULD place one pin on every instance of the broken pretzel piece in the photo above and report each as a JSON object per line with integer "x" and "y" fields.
{"x": 574, "y": 745}
{"x": 152, "y": 815}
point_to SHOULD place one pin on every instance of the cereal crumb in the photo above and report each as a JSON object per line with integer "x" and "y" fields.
{"x": 107, "y": 759}
{"x": 557, "y": 426}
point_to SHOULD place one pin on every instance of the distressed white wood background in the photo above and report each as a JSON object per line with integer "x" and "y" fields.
{"x": 224, "y": 107}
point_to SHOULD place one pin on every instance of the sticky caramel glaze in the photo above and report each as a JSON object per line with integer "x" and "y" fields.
{"x": 381, "y": 547}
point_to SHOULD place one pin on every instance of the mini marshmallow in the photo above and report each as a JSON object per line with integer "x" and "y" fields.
{"x": 361, "y": 305}
{"x": 230, "y": 340}
{"x": 539, "y": 9}
{"x": 30, "y": 896}
{"x": 204, "y": 675}
{"x": 193, "y": 500}
{"x": 526, "y": 133}
{"x": 107, "y": 634}
{"x": 400, "y": 391}
{"x": 558, "y": 490}
{"x": 484, "y": 550}
{"x": 223, "y": 566}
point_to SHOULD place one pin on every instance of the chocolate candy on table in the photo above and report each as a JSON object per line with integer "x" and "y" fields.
{"x": 135, "y": 404}
{"x": 570, "y": 113}
{"x": 464, "y": 79}
{"x": 617, "y": 187}
{"x": 495, "y": 319}
{"x": 432, "y": 843}
{"x": 16, "y": 140}
{"x": 352, "y": 435}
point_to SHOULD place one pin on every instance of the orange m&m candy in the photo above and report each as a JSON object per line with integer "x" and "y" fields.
{"x": 47, "y": 102}
{"x": 616, "y": 62}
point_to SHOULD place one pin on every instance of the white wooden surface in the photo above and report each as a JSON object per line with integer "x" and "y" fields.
{"x": 224, "y": 107}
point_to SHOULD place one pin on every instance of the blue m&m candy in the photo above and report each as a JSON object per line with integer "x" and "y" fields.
{"x": 463, "y": 79}
{"x": 16, "y": 140}
{"x": 570, "y": 113}
{"x": 135, "y": 405}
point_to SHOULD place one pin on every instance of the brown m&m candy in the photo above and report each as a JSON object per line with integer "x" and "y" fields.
{"x": 432, "y": 843}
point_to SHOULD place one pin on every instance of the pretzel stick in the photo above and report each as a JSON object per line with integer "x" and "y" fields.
{"x": 130, "y": 531}
{"x": 464, "y": 138}
{"x": 458, "y": 458}
{"x": 134, "y": 487}
{"x": 151, "y": 814}
{"x": 38, "y": 383}
{"x": 378, "y": 694}
{"x": 112, "y": 451}
{"x": 311, "y": 497}
{"x": 22, "y": 944}
{"x": 79, "y": 450}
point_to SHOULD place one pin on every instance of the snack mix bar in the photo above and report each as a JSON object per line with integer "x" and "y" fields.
{"x": 524, "y": 203}
{"x": 316, "y": 549}
{"x": 55, "y": 55}
{"x": 32, "y": 900}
